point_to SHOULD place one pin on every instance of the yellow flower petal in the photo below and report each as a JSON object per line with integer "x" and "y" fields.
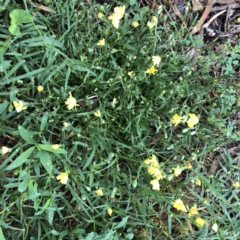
{"x": 193, "y": 120}
{"x": 200, "y": 222}
{"x": 176, "y": 119}
{"x": 4, "y": 150}
{"x": 110, "y": 211}
{"x": 236, "y": 185}
{"x": 99, "y": 192}
{"x": 193, "y": 210}
{"x": 63, "y": 178}
{"x": 40, "y": 88}
{"x": 151, "y": 70}
{"x": 100, "y": 15}
{"x": 155, "y": 184}
{"x": 55, "y": 146}
{"x": 179, "y": 205}
{"x": 156, "y": 60}
{"x": 19, "y": 106}
{"x": 71, "y": 102}
{"x": 215, "y": 227}
{"x": 101, "y": 42}
{"x": 177, "y": 171}
{"x": 135, "y": 24}
{"x": 198, "y": 182}
{"x": 98, "y": 114}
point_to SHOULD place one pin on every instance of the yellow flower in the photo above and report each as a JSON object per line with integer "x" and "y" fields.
{"x": 63, "y": 178}
{"x": 153, "y": 168}
{"x": 40, "y": 88}
{"x": 238, "y": 19}
{"x": 179, "y": 205}
{"x": 193, "y": 120}
{"x": 215, "y": 227}
{"x": 4, "y": 150}
{"x": 19, "y": 106}
{"x": 101, "y": 42}
{"x": 110, "y": 211}
{"x": 236, "y": 185}
{"x": 135, "y": 24}
{"x": 55, "y": 146}
{"x": 130, "y": 73}
{"x": 106, "y": 32}
{"x": 100, "y": 15}
{"x": 65, "y": 124}
{"x": 188, "y": 165}
{"x": 150, "y": 25}
{"x": 158, "y": 174}
{"x": 153, "y": 158}
{"x": 200, "y": 222}
{"x": 71, "y": 102}
{"x": 99, "y": 192}
{"x": 154, "y": 19}
{"x": 177, "y": 171}
{"x": 156, "y": 60}
{"x": 98, "y": 114}
{"x": 205, "y": 200}
{"x": 151, "y": 70}
{"x": 176, "y": 119}
{"x": 198, "y": 182}
{"x": 117, "y": 16}
{"x": 155, "y": 184}
{"x": 193, "y": 210}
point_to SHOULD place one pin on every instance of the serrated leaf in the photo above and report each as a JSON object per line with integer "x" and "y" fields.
{"x": 25, "y": 135}
{"x": 45, "y": 160}
{"x": 21, "y": 159}
{"x": 48, "y": 147}
{"x": 44, "y": 121}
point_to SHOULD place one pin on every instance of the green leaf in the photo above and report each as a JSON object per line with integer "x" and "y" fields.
{"x": 19, "y": 16}
{"x": 3, "y": 106}
{"x": 44, "y": 121}
{"x": 44, "y": 207}
{"x": 49, "y": 148}
{"x": 21, "y": 159}
{"x": 46, "y": 161}
{"x": 25, "y": 135}
{"x": 24, "y": 184}
{"x": 1, "y": 234}
{"x": 122, "y": 223}
{"x": 14, "y": 30}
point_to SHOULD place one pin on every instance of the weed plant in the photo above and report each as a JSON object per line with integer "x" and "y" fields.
{"x": 110, "y": 123}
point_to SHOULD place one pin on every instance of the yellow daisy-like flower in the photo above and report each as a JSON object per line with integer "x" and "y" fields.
{"x": 135, "y": 24}
{"x": 176, "y": 119}
{"x": 62, "y": 177}
{"x": 55, "y": 146}
{"x": 156, "y": 60}
{"x": 198, "y": 182}
{"x": 154, "y": 19}
{"x": 177, "y": 171}
{"x": 152, "y": 23}
{"x": 19, "y": 106}
{"x": 110, "y": 211}
{"x": 179, "y": 205}
{"x": 98, "y": 114}
{"x": 188, "y": 165}
{"x": 153, "y": 168}
{"x": 158, "y": 174}
{"x": 155, "y": 184}
{"x": 4, "y": 150}
{"x": 153, "y": 158}
{"x": 151, "y": 70}
{"x": 40, "y": 88}
{"x": 100, "y": 15}
{"x": 101, "y": 42}
{"x": 117, "y": 16}
{"x": 99, "y": 192}
{"x": 193, "y": 120}
{"x": 200, "y": 222}
{"x": 236, "y": 185}
{"x": 215, "y": 227}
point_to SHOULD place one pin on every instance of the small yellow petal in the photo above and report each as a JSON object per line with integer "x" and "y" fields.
{"x": 177, "y": 171}
{"x": 100, "y": 15}
{"x": 215, "y": 227}
{"x": 98, "y": 114}
{"x": 151, "y": 70}
{"x": 63, "y": 178}
{"x": 193, "y": 120}
{"x": 55, "y": 146}
{"x": 176, "y": 119}
{"x": 236, "y": 185}
{"x": 135, "y": 24}
{"x": 179, "y": 205}
{"x": 156, "y": 60}
{"x": 155, "y": 184}
{"x": 101, "y": 42}
{"x": 110, "y": 211}
{"x": 99, "y": 192}
{"x": 200, "y": 222}
{"x": 40, "y": 88}
{"x": 193, "y": 210}
{"x": 4, "y": 150}
{"x": 198, "y": 182}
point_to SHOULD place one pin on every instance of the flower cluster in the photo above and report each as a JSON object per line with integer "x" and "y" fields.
{"x": 152, "y": 23}
{"x": 117, "y": 16}
{"x": 154, "y": 170}
{"x": 179, "y": 205}
{"x": 193, "y": 120}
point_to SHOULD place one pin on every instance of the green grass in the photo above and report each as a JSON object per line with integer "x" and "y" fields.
{"x": 59, "y": 51}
